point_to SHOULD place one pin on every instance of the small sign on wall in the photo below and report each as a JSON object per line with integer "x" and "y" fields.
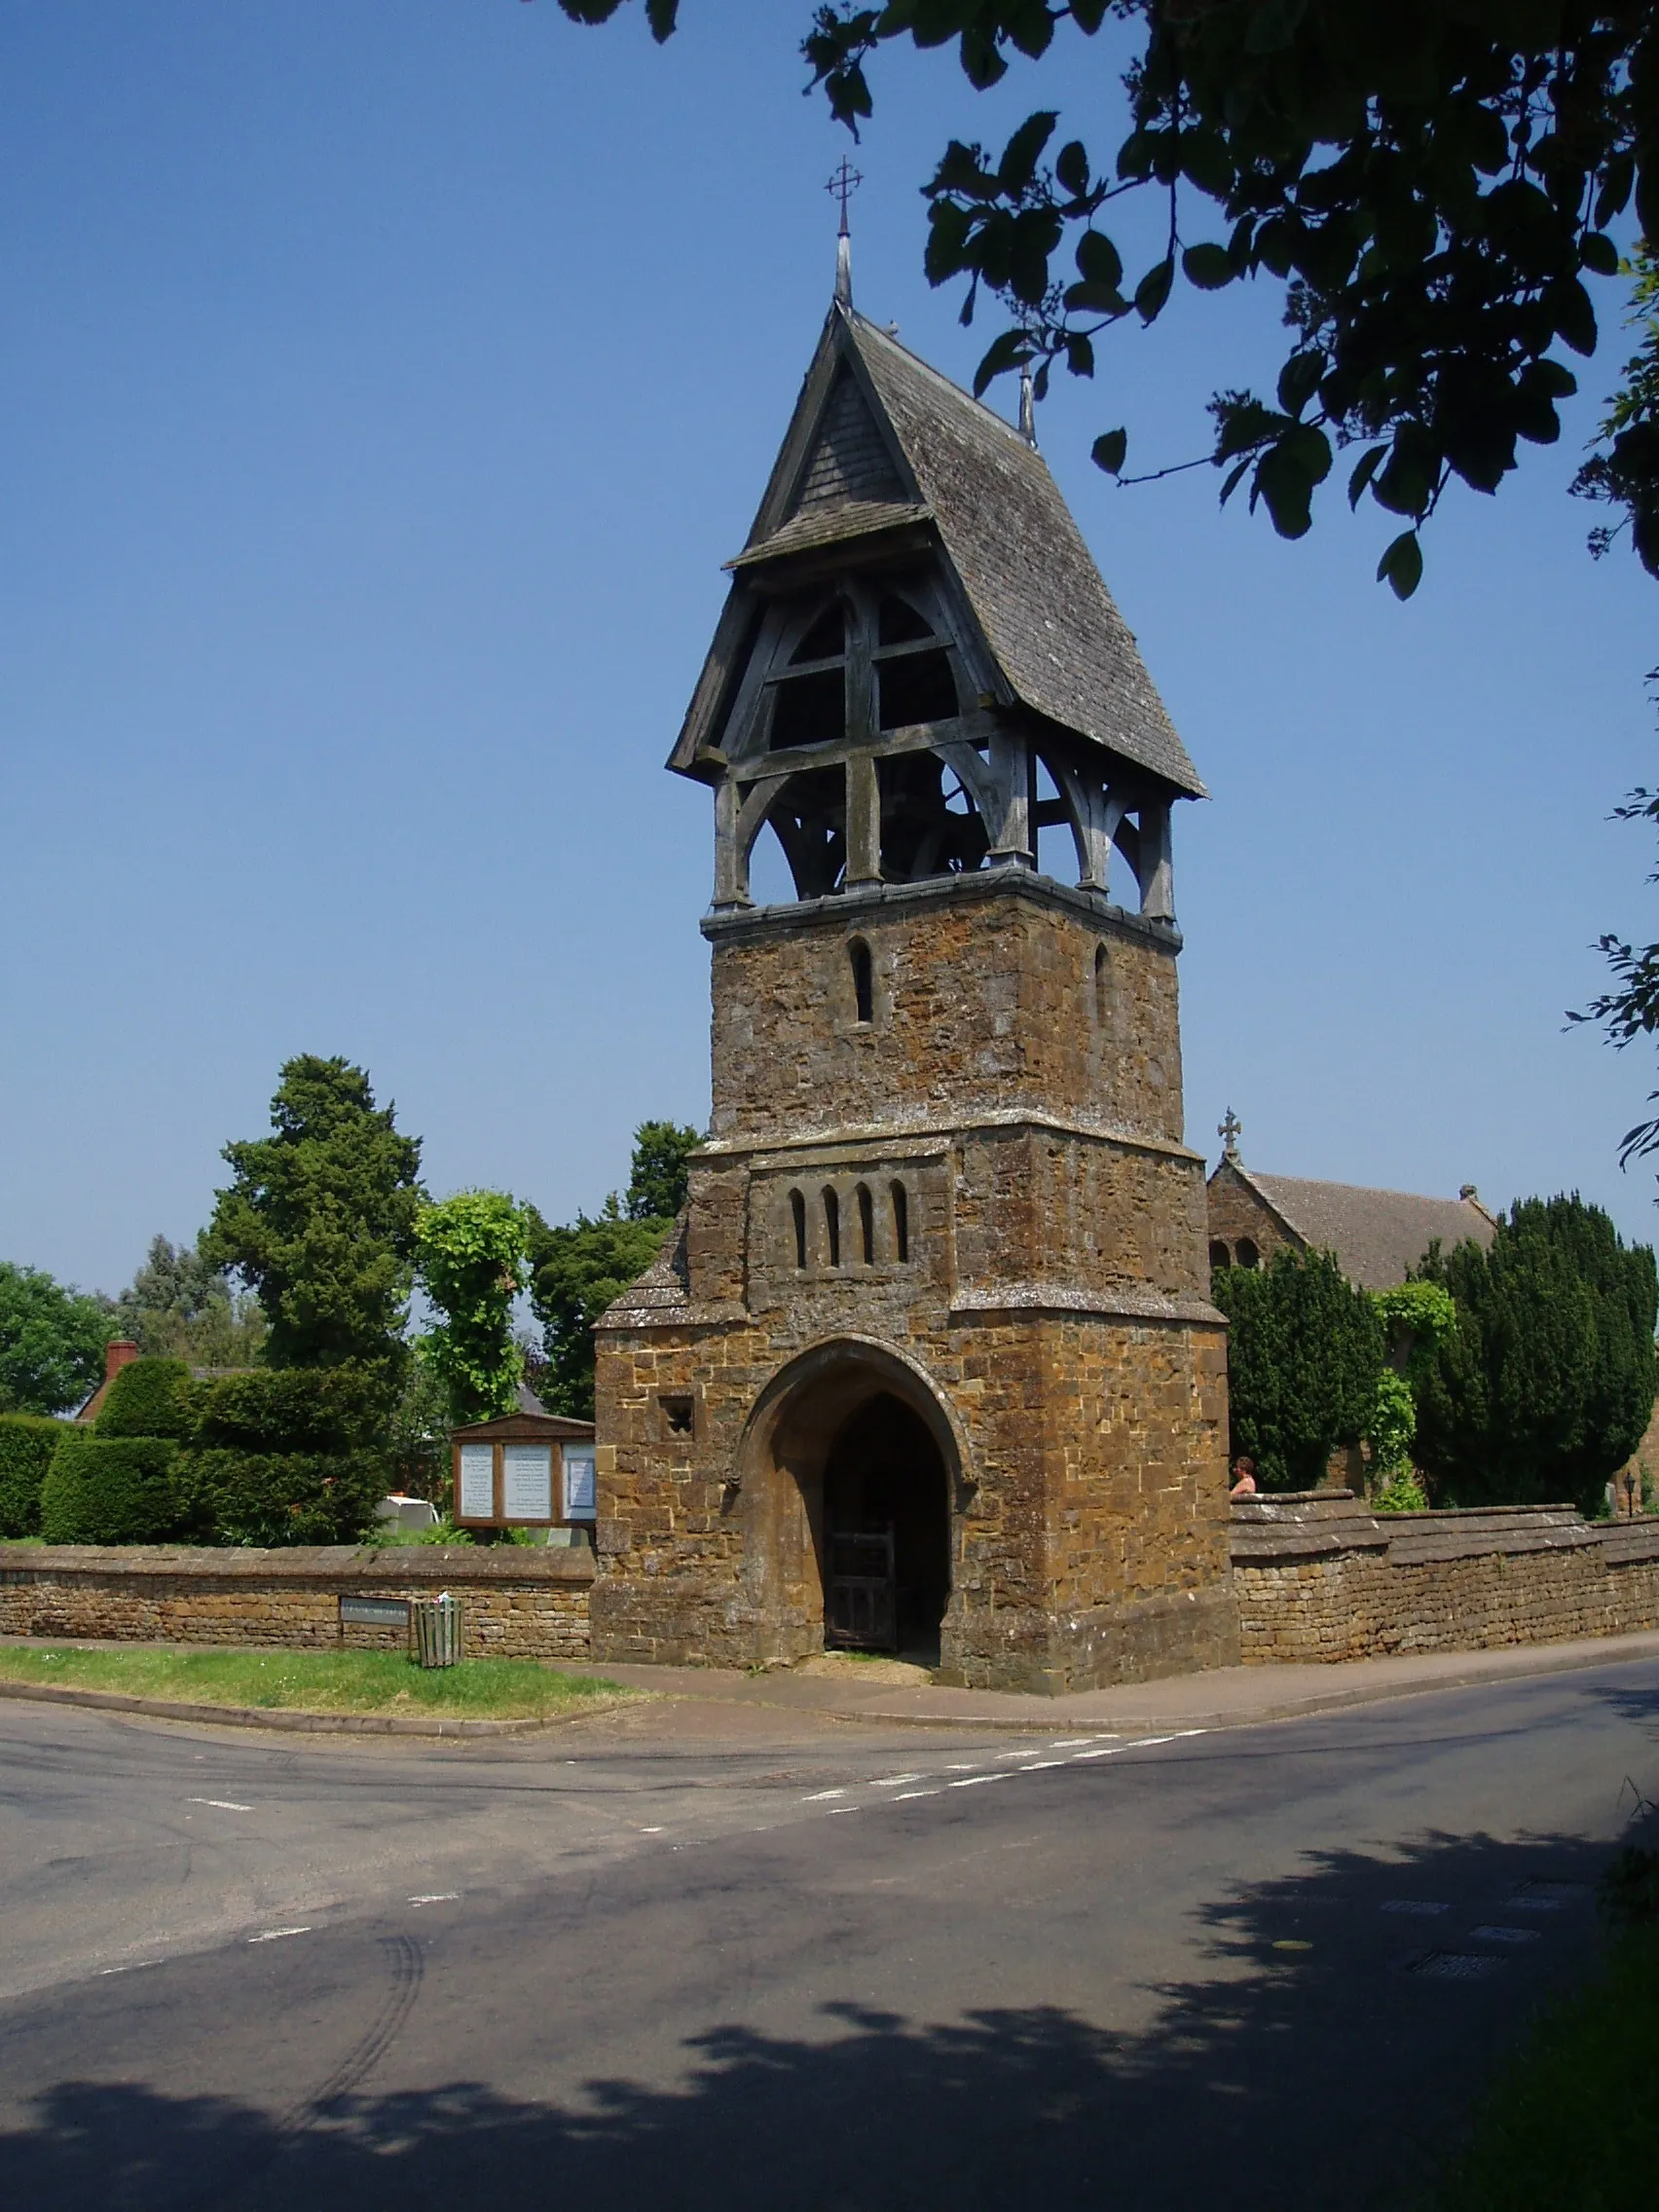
{"x": 374, "y": 1612}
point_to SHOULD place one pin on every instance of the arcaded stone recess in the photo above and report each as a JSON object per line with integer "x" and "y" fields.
{"x": 975, "y": 1202}
{"x": 516, "y": 1605}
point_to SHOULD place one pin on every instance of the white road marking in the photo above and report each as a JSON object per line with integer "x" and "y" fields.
{"x": 1038, "y": 1765}
{"x": 962, "y": 1766}
{"x": 968, "y": 1781}
{"x": 818, "y": 1795}
{"x": 892, "y": 1781}
{"x": 220, "y": 1804}
{"x": 1071, "y": 1743}
{"x": 437, "y": 1896}
{"x": 1106, "y": 1752}
{"x": 1002, "y": 1757}
{"x": 650, "y": 1831}
{"x": 1491, "y": 1934}
{"x": 905, "y": 1794}
{"x": 271, "y": 1935}
{"x": 1418, "y": 1907}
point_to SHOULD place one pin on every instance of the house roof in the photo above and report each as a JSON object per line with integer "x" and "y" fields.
{"x": 1377, "y": 1236}
{"x": 879, "y": 442}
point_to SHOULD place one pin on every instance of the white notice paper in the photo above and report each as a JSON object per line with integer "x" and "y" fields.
{"x": 581, "y": 1500}
{"x": 477, "y": 1482}
{"x": 527, "y": 1482}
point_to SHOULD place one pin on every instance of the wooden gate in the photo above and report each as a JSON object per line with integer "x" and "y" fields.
{"x": 861, "y": 1607}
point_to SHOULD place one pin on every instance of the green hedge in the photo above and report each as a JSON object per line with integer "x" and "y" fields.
{"x": 147, "y": 1399}
{"x": 283, "y": 1410}
{"x": 28, "y": 1442}
{"x": 281, "y": 1498}
{"x": 109, "y": 1489}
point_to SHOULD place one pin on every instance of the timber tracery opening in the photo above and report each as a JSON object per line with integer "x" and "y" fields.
{"x": 863, "y": 728}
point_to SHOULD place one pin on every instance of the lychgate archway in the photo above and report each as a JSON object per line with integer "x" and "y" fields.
{"x": 852, "y": 1475}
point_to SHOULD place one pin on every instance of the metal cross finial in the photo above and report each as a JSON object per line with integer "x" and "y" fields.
{"x": 1229, "y": 1131}
{"x": 842, "y": 185}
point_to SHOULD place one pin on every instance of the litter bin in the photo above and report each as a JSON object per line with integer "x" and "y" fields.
{"x": 436, "y": 1631}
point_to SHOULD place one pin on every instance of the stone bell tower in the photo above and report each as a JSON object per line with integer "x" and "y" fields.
{"x": 929, "y": 1363}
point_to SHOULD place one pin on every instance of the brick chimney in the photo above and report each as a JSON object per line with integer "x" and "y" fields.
{"x": 116, "y": 1356}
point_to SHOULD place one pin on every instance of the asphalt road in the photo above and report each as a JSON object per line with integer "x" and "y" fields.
{"x": 625, "y": 1965}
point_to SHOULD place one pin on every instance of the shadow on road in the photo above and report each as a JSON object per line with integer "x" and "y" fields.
{"x": 1314, "y": 2063}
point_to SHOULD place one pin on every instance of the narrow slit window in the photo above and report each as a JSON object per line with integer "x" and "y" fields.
{"x": 797, "y": 1216}
{"x": 901, "y": 1223}
{"x": 1102, "y": 987}
{"x": 867, "y": 1226}
{"x": 832, "y": 1227}
{"x": 864, "y": 980}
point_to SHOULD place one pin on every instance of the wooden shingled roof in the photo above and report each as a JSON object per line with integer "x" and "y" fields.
{"x": 881, "y": 444}
{"x": 1377, "y": 1236}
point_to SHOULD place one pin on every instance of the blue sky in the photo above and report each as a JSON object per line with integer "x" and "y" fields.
{"x": 384, "y": 382}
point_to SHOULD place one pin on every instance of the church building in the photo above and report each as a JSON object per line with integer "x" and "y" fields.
{"x": 929, "y": 1363}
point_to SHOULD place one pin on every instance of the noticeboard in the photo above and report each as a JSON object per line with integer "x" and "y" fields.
{"x": 524, "y": 1483}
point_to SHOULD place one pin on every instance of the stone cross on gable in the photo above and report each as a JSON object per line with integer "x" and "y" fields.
{"x": 1229, "y": 1131}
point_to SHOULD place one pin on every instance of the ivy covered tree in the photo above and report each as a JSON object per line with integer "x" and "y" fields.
{"x": 472, "y": 1260}
{"x": 52, "y": 1342}
{"x": 1305, "y": 1353}
{"x": 1431, "y": 185}
{"x": 319, "y": 1219}
{"x": 1545, "y": 1385}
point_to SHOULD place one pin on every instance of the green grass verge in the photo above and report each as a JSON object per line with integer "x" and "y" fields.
{"x": 1571, "y": 2124}
{"x": 315, "y": 1681}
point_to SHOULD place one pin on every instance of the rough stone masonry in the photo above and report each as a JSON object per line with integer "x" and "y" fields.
{"x": 931, "y": 1354}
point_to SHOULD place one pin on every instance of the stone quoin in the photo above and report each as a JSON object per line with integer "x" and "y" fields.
{"x": 929, "y": 1362}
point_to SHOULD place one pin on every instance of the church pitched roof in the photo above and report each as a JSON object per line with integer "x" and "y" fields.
{"x": 881, "y": 442}
{"x": 1379, "y": 1235}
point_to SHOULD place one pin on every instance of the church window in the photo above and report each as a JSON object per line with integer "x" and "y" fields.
{"x": 867, "y": 1226}
{"x": 798, "y": 1212}
{"x": 1219, "y": 1256}
{"x": 832, "y": 1227}
{"x": 677, "y": 1414}
{"x": 864, "y": 980}
{"x": 1248, "y": 1256}
{"x": 901, "y": 1223}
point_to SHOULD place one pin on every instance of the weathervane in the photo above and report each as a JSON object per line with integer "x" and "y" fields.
{"x": 841, "y": 186}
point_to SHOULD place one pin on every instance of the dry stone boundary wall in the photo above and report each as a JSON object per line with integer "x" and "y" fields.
{"x": 516, "y": 1603}
{"x": 1317, "y": 1578}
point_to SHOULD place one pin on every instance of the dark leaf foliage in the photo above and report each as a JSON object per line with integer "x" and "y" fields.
{"x": 1304, "y": 1353}
{"x": 109, "y": 1489}
{"x": 28, "y": 1442}
{"x": 319, "y": 1218}
{"x": 1543, "y": 1388}
{"x": 1430, "y": 181}
{"x": 52, "y": 1342}
{"x": 147, "y": 1399}
{"x": 578, "y": 1270}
